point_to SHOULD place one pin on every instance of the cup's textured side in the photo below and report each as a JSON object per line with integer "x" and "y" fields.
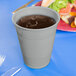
{"x": 36, "y": 44}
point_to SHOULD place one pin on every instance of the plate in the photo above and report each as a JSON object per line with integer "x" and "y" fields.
{"x": 62, "y": 25}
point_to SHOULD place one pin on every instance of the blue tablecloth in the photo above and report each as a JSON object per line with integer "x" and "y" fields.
{"x": 63, "y": 60}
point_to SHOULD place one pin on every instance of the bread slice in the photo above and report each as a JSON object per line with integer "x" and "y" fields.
{"x": 65, "y": 18}
{"x": 46, "y": 3}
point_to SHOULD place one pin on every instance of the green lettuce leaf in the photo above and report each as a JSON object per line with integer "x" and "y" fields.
{"x": 58, "y": 4}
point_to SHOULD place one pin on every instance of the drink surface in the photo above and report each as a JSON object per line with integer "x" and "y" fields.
{"x": 36, "y": 21}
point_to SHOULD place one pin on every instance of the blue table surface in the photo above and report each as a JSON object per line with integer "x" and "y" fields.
{"x": 63, "y": 60}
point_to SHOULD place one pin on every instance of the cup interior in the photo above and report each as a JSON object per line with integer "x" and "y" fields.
{"x": 37, "y": 10}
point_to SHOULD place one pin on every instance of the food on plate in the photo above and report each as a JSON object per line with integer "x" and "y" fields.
{"x": 75, "y": 21}
{"x": 58, "y": 4}
{"x": 73, "y": 24}
{"x": 73, "y": 13}
{"x": 65, "y": 18}
{"x": 71, "y": 19}
{"x": 64, "y": 8}
{"x": 46, "y": 3}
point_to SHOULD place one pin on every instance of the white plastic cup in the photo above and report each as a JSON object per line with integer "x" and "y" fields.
{"x": 36, "y": 44}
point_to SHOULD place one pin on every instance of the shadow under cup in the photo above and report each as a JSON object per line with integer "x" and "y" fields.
{"x": 36, "y": 44}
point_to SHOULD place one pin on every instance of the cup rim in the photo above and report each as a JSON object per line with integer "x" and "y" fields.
{"x": 35, "y": 29}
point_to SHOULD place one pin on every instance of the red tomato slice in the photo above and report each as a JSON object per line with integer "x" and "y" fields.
{"x": 75, "y": 2}
{"x": 65, "y": 11}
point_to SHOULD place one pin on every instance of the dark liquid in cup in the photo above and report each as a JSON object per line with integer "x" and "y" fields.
{"x": 36, "y": 21}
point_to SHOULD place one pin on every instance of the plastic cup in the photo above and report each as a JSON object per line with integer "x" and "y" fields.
{"x": 36, "y": 44}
